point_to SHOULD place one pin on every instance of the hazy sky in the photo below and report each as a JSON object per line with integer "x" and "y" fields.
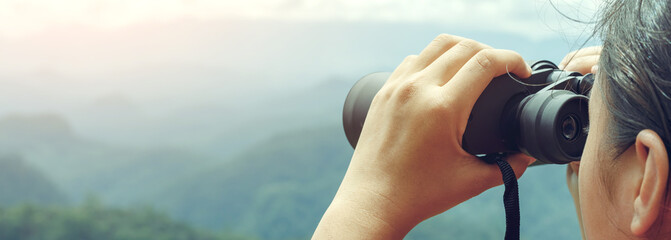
{"x": 68, "y": 52}
{"x": 535, "y": 18}
{"x": 137, "y": 58}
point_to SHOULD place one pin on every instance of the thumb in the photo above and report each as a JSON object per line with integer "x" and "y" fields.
{"x": 491, "y": 172}
{"x": 519, "y": 162}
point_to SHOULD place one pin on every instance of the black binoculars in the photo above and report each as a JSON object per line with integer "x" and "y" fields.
{"x": 544, "y": 116}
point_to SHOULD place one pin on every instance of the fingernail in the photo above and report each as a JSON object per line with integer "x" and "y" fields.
{"x": 595, "y": 68}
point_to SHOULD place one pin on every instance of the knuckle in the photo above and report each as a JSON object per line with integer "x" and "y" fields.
{"x": 581, "y": 54}
{"x": 406, "y": 91}
{"x": 408, "y": 61}
{"x": 443, "y": 38}
{"x": 572, "y": 65}
{"x": 587, "y": 60}
{"x": 470, "y": 45}
{"x": 568, "y": 58}
{"x": 385, "y": 93}
{"x": 514, "y": 55}
{"x": 573, "y": 54}
{"x": 517, "y": 58}
{"x": 410, "y": 58}
{"x": 484, "y": 59}
{"x": 579, "y": 64}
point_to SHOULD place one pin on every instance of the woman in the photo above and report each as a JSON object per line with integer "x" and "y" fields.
{"x": 409, "y": 165}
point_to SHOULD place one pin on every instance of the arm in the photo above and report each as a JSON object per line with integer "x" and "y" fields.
{"x": 409, "y": 165}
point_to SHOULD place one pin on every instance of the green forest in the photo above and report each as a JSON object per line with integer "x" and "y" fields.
{"x": 32, "y": 208}
{"x": 93, "y": 221}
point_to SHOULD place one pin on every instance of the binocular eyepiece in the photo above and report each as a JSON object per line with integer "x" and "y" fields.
{"x": 544, "y": 116}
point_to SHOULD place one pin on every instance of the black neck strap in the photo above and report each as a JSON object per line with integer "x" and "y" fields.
{"x": 511, "y": 199}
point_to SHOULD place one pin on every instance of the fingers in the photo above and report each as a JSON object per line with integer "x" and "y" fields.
{"x": 574, "y": 189}
{"x": 469, "y": 82}
{"x": 436, "y": 48}
{"x": 447, "y": 64}
{"x": 583, "y": 64}
{"x": 589, "y": 53}
{"x": 572, "y": 182}
{"x": 575, "y": 166}
{"x": 441, "y": 59}
{"x": 572, "y": 177}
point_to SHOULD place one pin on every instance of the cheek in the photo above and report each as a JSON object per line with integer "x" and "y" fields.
{"x": 593, "y": 196}
{"x": 589, "y": 187}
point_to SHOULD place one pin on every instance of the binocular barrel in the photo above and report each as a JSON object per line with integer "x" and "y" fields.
{"x": 544, "y": 116}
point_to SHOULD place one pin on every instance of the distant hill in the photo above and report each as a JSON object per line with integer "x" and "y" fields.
{"x": 21, "y": 131}
{"x": 22, "y": 183}
{"x": 80, "y": 166}
{"x": 278, "y": 189}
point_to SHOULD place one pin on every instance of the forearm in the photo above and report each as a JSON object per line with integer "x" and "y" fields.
{"x": 346, "y": 219}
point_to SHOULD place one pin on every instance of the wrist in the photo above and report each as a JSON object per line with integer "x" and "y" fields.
{"x": 365, "y": 215}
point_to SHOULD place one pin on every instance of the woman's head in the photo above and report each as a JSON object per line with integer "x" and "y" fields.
{"x": 624, "y": 169}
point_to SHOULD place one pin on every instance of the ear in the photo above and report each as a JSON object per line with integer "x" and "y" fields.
{"x": 650, "y": 197}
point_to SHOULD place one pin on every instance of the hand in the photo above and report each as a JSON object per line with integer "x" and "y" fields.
{"x": 409, "y": 164}
{"x": 584, "y": 61}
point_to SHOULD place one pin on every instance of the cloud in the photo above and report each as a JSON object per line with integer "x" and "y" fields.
{"x": 535, "y": 19}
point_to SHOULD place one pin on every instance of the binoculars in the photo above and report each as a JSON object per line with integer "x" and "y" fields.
{"x": 544, "y": 116}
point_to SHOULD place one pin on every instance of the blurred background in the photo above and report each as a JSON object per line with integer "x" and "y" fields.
{"x": 208, "y": 119}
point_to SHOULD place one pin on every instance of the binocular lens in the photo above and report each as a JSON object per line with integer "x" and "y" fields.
{"x": 551, "y": 124}
{"x": 570, "y": 127}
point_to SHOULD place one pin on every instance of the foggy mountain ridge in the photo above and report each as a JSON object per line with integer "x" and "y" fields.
{"x": 100, "y": 159}
{"x": 21, "y": 182}
{"x": 168, "y": 68}
{"x": 80, "y": 166}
